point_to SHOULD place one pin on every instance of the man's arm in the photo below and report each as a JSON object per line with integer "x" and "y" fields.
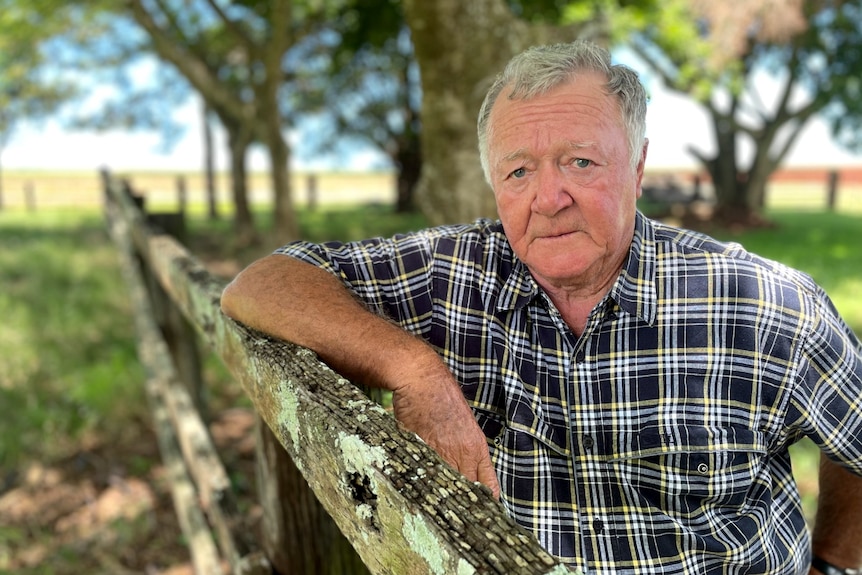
{"x": 837, "y": 534}
{"x": 298, "y": 302}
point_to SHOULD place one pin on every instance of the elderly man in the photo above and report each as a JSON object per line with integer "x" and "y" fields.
{"x": 627, "y": 389}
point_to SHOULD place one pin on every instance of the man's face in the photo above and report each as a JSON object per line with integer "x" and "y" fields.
{"x": 563, "y": 182}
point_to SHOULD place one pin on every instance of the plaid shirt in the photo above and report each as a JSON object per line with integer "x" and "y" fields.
{"x": 657, "y": 441}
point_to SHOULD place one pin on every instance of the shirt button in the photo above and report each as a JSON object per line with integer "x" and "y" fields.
{"x": 598, "y": 525}
{"x": 703, "y": 468}
{"x": 587, "y": 442}
{"x": 581, "y": 355}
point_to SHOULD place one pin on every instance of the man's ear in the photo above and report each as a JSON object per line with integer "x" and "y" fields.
{"x": 640, "y": 167}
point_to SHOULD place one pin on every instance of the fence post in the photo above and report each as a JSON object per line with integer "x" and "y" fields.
{"x": 697, "y": 191}
{"x": 30, "y": 196}
{"x": 199, "y": 484}
{"x": 311, "y": 188}
{"x": 298, "y": 536}
{"x": 832, "y": 190}
{"x": 179, "y": 334}
{"x": 182, "y": 194}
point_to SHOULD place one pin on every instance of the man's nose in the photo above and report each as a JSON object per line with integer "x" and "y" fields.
{"x": 552, "y": 192}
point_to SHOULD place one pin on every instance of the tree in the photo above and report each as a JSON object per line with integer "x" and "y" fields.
{"x": 209, "y": 163}
{"x": 713, "y": 52}
{"x": 58, "y": 53}
{"x": 460, "y": 47}
{"x": 28, "y": 89}
{"x": 232, "y": 53}
{"x": 361, "y": 79}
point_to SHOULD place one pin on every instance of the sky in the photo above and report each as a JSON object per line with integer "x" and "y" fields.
{"x": 673, "y": 124}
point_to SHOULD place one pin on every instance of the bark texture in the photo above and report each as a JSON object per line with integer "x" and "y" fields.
{"x": 461, "y": 47}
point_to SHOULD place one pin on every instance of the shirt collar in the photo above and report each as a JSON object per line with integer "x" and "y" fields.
{"x": 634, "y": 290}
{"x": 519, "y": 288}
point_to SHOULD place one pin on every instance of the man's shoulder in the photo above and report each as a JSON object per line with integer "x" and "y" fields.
{"x": 475, "y": 244}
{"x": 477, "y": 229}
{"x": 675, "y": 245}
{"x": 673, "y": 239}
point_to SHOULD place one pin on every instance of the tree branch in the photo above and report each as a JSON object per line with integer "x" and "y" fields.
{"x": 235, "y": 29}
{"x": 190, "y": 65}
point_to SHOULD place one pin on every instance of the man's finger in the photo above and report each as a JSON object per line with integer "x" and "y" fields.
{"x": 487, "y": 476}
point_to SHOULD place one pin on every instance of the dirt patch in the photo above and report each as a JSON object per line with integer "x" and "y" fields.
{"x": 108, "y": 509}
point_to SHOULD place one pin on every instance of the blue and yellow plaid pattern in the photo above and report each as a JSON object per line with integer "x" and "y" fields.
{"x": 657, "y": 441}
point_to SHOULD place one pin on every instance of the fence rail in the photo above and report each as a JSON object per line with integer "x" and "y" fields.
{"x": 200, "y": 487}
{"x": 398, "y": 504}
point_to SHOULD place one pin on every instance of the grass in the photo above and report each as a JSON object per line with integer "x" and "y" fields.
{"x": 68, "y": 350}
{"x": 69, "y": 371}
{"x": 348, "y": 224}
{"x": 69, "y": 363}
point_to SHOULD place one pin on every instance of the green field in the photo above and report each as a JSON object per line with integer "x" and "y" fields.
{"x": 69, "y": 357}
{"x": 70, "y": 379}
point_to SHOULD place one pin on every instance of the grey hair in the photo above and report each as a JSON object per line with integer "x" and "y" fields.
{"x": 540, "y": 69}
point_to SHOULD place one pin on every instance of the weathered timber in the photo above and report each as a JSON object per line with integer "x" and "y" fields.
{"x": 205, "y": 557}
{"x": 178, "y": 333}
{"x": 298, "y": 535}
{"x": 298, "y": 541}
{"x": 403, "y": 509}
{"x": 198, "y": 480}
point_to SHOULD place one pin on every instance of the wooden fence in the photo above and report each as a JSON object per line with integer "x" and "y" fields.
{"x": 395, "y": 503}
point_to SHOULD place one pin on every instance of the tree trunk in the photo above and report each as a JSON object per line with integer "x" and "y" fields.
{"x": 460, "y": 47}
{"x": 1, "y": 181}
{"x": 730, "y": 183}
{"x": 209, "y": 164}
{"x": 281, "y": 16}
{"x": 755, "y": 193}
{"x": 239, "y": 141}
{"x": 298, "y": 535}
{"x": 409, "y": 162}
{"x": 741, "y": 193}
{"x": 285, "y": 227}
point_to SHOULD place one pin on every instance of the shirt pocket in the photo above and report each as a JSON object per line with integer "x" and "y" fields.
{"x": 520, "y": 433}
{"x": 688, "y": 469}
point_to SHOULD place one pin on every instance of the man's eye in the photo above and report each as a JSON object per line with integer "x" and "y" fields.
{"x": 519, "y": 173}
{"x": 582, "y": 163}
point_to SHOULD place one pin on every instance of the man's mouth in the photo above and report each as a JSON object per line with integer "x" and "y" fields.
{"x": 559, "y": 235}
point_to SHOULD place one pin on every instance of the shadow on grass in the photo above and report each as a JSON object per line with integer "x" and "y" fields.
{"x": 68, "y": 362}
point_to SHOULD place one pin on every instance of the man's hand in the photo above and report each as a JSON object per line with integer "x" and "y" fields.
{"x": 433, "y": 407}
